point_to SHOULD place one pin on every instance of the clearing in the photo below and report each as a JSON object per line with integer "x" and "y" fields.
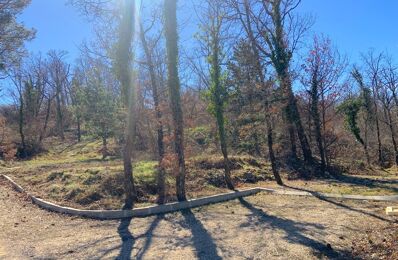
{"x": 257, "y": 227}
{"x": 73, "y": 174}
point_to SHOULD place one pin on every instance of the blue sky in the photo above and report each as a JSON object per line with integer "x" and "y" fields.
{"x": 354, "y": 26}
{"x": 59, "y": 26}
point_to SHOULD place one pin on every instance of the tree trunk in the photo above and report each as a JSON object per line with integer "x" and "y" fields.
{"x": 161, "y": 185}
{"x": 317, "y": 121}
{"x": 365, "y": 141}
{"x": 272, "y": 155}
{"x": 257, "y": 149}
{"x": 280, "y": 58}
{"x": 325, "y": 146}
{"x": 104, "y": 148}
{"x": 379, "y": 152}
{"x": 21, "y": 123}
{"x": 390, "y": 125}
{"x": 293, "y": 116}
{"x": 129, "y": 187}
{"x": 173, "y": 83}
{"x": 79, "y": 134}
{"x": 124, "y": 59}
{"x": 292, "y": 138}
{"x": 223, "y": 144}
{"x": 43, "y": 132}
{"x": 60, "y": 120}
{"x": 365, "y": 147}
{"x": 216, "y": 90}
{"x": 266, "y": 103}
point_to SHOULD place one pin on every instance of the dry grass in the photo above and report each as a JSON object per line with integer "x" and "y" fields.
{"x": 378, "y": 243}
{"x": 73, "y": 174}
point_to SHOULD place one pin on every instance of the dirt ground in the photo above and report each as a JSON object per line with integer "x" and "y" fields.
{"x": 257, "y": 227}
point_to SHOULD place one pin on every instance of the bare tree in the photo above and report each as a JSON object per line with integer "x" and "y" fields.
{"x": 374, "y": 66}
{"x": 173, "y": 83}
{"x": 278, "y": 31}
{"x": 364, "y": 102}
{"x": 243, "y": 14}
{"x": 322, "y": 71}
{"x": 149, "y": 52}
{"x": 16, "y": 77}
{"x": 125, "y": 56}
{"x": 59, "y": 79}
{"x": 213, "y": 24}
{"x": 387, "y": 95}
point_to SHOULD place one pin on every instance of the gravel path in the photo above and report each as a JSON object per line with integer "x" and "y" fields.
{"x": 258, "y": 227}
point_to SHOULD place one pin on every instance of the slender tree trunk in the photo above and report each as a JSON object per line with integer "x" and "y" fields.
{"x": 43, "y": 132}
{"x": 173, "y": 83}
{"x": 272, "y": 155}
{"x": 224, "y": 149}
{"x": 391, "y": 127}
{"x": 79, "y": 134}
{"x": 309, "y": 123}
{"x": 317, "y": 121}
{"x": 325, "y": 146}
{"x": 104, "y": 147}
{"x": 365, "y": 142}
{"x": 281, "y": 61}
{"x": 292, "y": 138}
{"x": 161, "y": 185}
{"x": 266, "y": 103}
{"x": 60, "y": 120}
{"x": 257, "y": 149}
{"x": 161, "y": 178}
{"x": 216, "y": 90}
{"x": 293, "y": 116}
{"x": 124, "y": 60}
{"x": 395, "y": 97}
{"x": 365, "y": 147}
{"x": 379, "y": 152}
{"x": 21, "y": 123}
{"x": 129, "y": 187}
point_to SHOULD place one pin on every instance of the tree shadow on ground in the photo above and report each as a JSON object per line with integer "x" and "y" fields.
{"x": 367, "y": 182}
{"x": 295, "y": 232}
{"x": 127, "y": 239}
{"x": 88, "y": 245}
{"x": 149, "y": 235}
{"x": 202, "y": 241}
{"x": 320, "y": 197}
{"x": 125, "y": 247}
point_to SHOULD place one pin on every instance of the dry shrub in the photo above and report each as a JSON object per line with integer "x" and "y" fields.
{"x": 170, "y": 163}
{"x": 8, "y": 149}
